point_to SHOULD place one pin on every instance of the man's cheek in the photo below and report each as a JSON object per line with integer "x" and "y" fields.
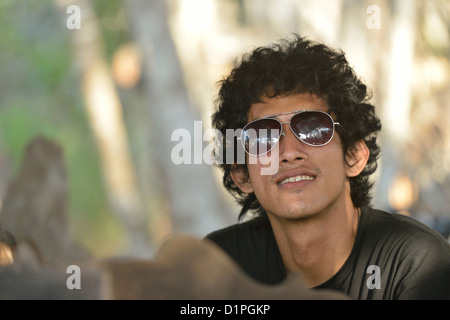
{"x": 268, "y": 163}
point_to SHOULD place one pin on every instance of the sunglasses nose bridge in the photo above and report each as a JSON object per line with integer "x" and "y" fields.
{"x": 283, "y": 131}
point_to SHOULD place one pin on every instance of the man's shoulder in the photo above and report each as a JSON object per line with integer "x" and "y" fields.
{"x": 417, "y": 255}
{"x": 250, "y": 228}
{"x": 404, "y": 231}
{"x": 252, "y": 245}
{"x": 400, "y": 223}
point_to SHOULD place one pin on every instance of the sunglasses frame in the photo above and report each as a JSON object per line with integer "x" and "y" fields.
{"x": 283, "y": 132}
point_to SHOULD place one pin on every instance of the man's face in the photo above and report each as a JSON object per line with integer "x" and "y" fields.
{"x": 321, "y": 171}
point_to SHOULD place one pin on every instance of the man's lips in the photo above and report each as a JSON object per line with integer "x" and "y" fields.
{"x": 295, "y": 176}
{"x": 296, "y": 179}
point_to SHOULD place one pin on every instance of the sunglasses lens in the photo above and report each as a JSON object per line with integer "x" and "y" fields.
{"x": 260, "y": 136}
{"x": 313, "y": 128}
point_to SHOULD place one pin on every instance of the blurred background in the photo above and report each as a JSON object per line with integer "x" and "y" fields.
{"x": 107, "y": 82}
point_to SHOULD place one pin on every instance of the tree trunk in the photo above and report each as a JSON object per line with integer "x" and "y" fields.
{"x": 196, "y": 203}
{"x": 104, "y": 111}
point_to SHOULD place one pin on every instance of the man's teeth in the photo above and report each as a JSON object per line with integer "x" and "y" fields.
{"x": 295, "y": 179}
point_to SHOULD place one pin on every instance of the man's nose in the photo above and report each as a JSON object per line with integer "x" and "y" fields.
{"x": 291, "y": 148}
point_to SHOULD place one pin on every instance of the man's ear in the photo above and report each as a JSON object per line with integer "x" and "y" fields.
{"x": 356, "y": 158}
{"x": 241, "y": 178}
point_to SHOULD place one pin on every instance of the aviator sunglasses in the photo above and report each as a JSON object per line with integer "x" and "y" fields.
{"x": 315, "y": 128}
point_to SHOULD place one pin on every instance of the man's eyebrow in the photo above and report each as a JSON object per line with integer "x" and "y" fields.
{"x": 284, "y": 113}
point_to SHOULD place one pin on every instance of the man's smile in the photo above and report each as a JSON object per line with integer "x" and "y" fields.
{"x": 295, "y": 179}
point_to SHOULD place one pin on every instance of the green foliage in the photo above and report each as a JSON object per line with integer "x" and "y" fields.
{"x": 40, "y": 95}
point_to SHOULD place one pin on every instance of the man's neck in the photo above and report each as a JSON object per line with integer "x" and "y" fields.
{"x": 316, "y": 247}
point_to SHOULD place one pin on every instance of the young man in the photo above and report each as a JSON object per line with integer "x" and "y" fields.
{"x": 300, "y": 104}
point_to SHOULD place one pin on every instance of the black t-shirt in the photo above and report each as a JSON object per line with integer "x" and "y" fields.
{"x": 393, "y": 257}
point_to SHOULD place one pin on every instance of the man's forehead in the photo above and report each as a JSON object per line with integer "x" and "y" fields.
{"x": 283, "y": 104}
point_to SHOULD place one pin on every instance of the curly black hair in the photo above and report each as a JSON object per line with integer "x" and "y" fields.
{"x": 298, "y": 66}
